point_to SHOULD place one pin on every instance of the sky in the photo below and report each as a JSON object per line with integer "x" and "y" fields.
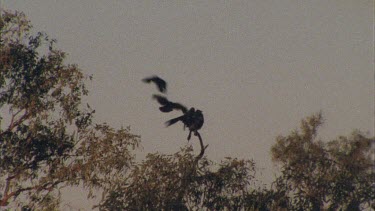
{"x": 254, "y": 67}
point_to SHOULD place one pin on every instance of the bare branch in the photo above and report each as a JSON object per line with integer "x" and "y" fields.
{"x": 203, "y": 148}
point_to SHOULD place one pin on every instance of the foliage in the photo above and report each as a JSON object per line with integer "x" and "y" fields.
{"x": 156, "y": 183}
{"x": 47, "y": 138}
{"x": 317, "y": 175}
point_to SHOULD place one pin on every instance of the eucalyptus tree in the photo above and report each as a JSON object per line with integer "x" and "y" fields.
{"x": 48, "y": 138}
{"x": 325, "y": 175}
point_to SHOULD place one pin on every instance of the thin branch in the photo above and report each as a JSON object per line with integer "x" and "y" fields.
{"x": 7, "y": 186}
{"x": 203, "y": 148}
{"x": 48, "y": 186}
{"x": 190, "y": 171}
{"x": 14, "y": 124}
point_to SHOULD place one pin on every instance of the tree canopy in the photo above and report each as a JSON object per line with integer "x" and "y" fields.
{"x": 318, "y": 175}
{"x": 47, "y": 137}
{"x": 315, "y": 175}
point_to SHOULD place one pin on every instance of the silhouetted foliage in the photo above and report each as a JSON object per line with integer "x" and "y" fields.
{"x": 319, "y": 175}
{"x": 157, "y": 183}
{"x": 47, "y": 138}
{"x": 315, "y": 175}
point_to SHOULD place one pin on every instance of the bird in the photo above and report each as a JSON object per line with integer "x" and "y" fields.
{"x": 160, "y": 83}
{"x": 168, "y": 106}
{"x": 192, "y": 119}
{"x": 185, "y": 118}
{"x": 196, "y": 123}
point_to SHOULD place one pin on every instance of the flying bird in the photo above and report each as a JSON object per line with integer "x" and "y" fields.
{"x": 160, "y": 83}
{"x": 192, "y": 119}
{"x": 168, "y": 106}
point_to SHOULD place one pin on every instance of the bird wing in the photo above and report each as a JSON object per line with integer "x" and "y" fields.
{"x": 174, "y": 120}
{"x": 166, "y": 109}
{"x": 148, "y": 79}
{"x": 161, "y": 99}
{"x": 160, "y": 83}
{"x": 179, "y": 106}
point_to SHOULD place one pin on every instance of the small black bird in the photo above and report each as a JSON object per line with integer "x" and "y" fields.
{"x": 168, "y": 106}
{"x": 196, "y": 123}
{"x": 160, "y": 83}
{"x": 192, "y": 119}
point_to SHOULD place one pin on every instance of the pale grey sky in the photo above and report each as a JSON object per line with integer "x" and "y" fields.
{"x": 254, "y": 67}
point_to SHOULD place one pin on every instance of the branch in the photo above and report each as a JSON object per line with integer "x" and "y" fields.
{"x": 3, "y": 202}
{"x": 48, "y": 186}
{"x": 203, "y": 148}
{"x": 190, "y": 171}
{"x": 14, "y": 124}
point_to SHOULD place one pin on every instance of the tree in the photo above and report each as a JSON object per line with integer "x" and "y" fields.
{"x": 47, "y": 138}
{"x": 176, "y": 182}
{"x": 317, "y": 175}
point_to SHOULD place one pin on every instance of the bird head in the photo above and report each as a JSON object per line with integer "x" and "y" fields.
{"x": 192, "y": 109}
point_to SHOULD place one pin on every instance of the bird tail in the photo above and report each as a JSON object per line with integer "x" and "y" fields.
{"x": 173, "y": 121}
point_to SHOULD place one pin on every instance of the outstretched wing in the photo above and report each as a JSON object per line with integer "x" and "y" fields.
{"x": 160, "y": 83}
{"x": 165, "y": 109}
{"x": 161, "y": 99}
{"x": 173, "y": 121}
{"x": 172, "y": 106}
{"x": 168, "y": 106}
{"x": 179, "y": 106}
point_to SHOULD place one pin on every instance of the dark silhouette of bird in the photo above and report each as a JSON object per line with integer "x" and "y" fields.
{"x": 168, "y": 106}
{"x": 195, "y": 123}
{"x": 192, "y": 119}
{"x": 186, "y": 118}
{"x": 160, "y": 83}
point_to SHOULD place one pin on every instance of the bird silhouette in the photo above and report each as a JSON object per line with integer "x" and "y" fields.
{"x": 168, "y": 106}
{"x": 192, "y": 119}
{"x": 195, "y": 123}
{"x": 160, "y": 83}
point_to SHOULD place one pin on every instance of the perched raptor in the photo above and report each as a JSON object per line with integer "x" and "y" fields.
{"x": 192, "y": 119}
{"x": 160, "y": 83}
